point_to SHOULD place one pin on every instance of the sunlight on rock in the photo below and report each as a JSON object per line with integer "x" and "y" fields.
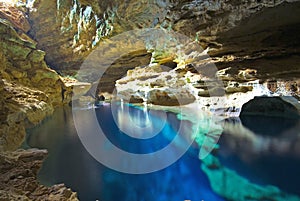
{"x": 10, "y": 2}
{"x": 150, "y": 100}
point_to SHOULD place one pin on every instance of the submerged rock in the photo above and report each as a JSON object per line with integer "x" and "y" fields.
{"x": 230, "y": 185}
{"x": 68, "y": 31}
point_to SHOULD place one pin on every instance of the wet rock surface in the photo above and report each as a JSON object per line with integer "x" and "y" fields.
{"x": 251, "y": 48}
{"x": 18, "y": 179}
{"x": 29, "y": 91}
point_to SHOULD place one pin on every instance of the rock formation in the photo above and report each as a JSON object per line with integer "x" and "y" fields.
{"x": 18, "y": 178}
{"x": 29, "y": 92}
{"x": 229, "y": 29}
{"x": 29, "y": 88}
{"x": 271, "y": 106}
{"x": 78, "y": 26}
{"x": 228, "y": 184}
{"x": 152, "y": 85}
{"x": 248, "y": 48}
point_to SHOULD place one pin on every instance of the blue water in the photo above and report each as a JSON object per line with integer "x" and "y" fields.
{"x": 69, "y": 163}
{"x": 265, "y": 165}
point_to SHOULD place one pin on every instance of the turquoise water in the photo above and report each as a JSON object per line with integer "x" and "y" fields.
{"x": 271, "y": 158}
{"x": 68, "y": 162}
{"x": 253, "y": 153}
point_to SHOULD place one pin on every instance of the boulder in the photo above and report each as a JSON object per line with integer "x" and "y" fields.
{"x": 170, "y": 98}
{"x": 270, "y": 106}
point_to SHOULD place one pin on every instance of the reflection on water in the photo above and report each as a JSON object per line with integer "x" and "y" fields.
{"x": 265, "y": 153}
{"x": 265, "y": 150}
{"x": 68, "y": 162}
{"x": 137, "y": 123}
{"x": 272, "y": 126}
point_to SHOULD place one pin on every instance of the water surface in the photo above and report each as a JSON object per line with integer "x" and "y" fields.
{"x": 68, "y": 162}
{"x": 265, "y": 150}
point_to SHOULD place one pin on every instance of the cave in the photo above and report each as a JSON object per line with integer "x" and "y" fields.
{"x": 135, "y": 100}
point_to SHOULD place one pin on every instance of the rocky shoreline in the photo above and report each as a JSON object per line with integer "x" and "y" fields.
{"x": 18, "y": 179}
{"x": 30, "y": 91}
{"x": 44, "y": 43}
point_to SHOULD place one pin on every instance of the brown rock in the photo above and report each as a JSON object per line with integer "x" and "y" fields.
{"x": 164, "y": 98}
{"x": 29, "y": 89}
{"x": 14, "y": 16}
{"x": 18, "y": 178}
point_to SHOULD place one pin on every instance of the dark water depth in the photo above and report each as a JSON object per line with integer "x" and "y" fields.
{"x": 68, "y": 162}
{"x": 265, "y": 150}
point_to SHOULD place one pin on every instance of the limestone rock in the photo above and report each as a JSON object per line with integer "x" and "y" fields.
{"x": 29, "y": 89}
{"x": 170, "y": 98}
{"x": 236, "y": 89}
{"x": 69, "y": 26}
{"x": 77, "y": 27}
{"x": 20, "y": 107}
{"x": 281, "y": 86}
{"x": 74, "y": 88}
{"x": 255, "y": 39}
{"x": 270, "y": 106}
{"x": 119, "y": 68}
{"x": 228, "y": 28}
{"x": 18, "y": 179}
{"x": 267, "y": 47}
{"x": 154, "y": 86}
{"x": 15, "y": 16}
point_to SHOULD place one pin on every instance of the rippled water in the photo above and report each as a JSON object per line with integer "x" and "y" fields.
{"x": 68, "y": 161}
